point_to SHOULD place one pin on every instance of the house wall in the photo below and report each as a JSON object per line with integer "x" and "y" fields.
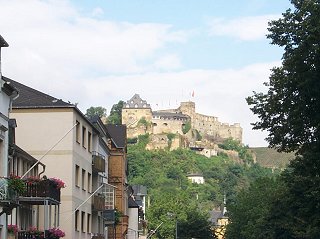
{"x": 133, "y": 223}
{"x": 38, "y": 130}
{"x": 4, "y": 111}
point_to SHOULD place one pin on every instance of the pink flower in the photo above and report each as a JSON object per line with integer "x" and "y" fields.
{"x": 59, "y": 183}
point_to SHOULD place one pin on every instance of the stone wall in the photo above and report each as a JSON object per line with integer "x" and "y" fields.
{"x": 173, "y": 120}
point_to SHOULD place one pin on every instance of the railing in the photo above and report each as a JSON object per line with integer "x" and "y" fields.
{"x": 43, "y": 188}
{"x": 6, "y": 194}
{"x": 98, "y": 236}
{"x": 98, "y": 203}
{"x": 98, "y": 162}
{"x": 30, "y": 235}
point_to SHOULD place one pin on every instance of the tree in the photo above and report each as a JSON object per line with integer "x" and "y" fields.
{"x": 290, "y": 112}
{"x": 99, "y": 111}
{"x": 290, "y": 108}
{"x": 115, "y": 116}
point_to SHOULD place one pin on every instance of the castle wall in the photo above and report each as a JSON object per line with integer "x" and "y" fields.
{"x": 172, "y": 120}
{"x": 131, "y": 117}
{"x": 209, "y": 125}
{"x": 167, "y": 126}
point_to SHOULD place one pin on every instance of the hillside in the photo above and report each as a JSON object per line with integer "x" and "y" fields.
{"x": 270, "y": 158}
{"x": 164, "y": 173}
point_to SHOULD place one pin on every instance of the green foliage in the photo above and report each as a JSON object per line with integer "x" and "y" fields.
{"x": 170, "y": 137}
{"x": 144, "y": 122}
{"x": 290, "y": 108}
{"x": 115, "y": 116}
{"x": 165, "y": 175}
{"x": 186, "y": 127}
{"x": 290, "y": 113}
{"x": 17, "y": 184}
{"x": 99, "y": 111}
{"x": 132, "y": 140}
{"x": 143, "y": 140}
{"x": 244, "y": 153}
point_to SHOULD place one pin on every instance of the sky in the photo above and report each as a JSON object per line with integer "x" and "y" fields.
{"x": 98, "y": 52}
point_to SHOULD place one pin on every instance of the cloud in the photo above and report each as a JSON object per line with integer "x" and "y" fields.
{"x": 94, "y": 62}
{"x": 245, "y": 28}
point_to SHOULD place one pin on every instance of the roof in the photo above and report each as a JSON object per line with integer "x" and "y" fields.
{"x": 3, "y": 43}
{"x": 118, "y": 134}
{"x": 132, "y": 203}
{"x": 137, "y": 102}
{"x": 31, "y": 98}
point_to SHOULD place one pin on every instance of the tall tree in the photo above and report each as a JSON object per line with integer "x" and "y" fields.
{"x": 290, "y": 108}
{"x": 290, "y": 112}
{"x": 99, "y": 110}
{"x": 115, "y": 116}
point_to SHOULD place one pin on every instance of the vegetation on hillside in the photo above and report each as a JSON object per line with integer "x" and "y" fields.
{"x": 171, "y": 193}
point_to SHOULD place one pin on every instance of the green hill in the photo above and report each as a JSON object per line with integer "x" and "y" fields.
{"x": 270, "y": 158}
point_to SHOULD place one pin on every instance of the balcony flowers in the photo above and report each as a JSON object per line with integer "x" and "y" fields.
{"x": 55, "y": 233}
{"x": 17, "y": 184}
{"x": 35, "y": 233}
{"x": 58, "y": 183}
{"x": 12, "y": 229}
{"x": 32, "y": 180}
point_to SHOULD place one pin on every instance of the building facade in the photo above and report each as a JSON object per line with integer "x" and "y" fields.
{"x": 67, "y": 143}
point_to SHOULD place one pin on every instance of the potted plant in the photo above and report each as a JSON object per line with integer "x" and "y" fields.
{"x": 35, "y": 233}
{"x": 54, "y": 233}
{"x": 17, "y": 184}
{"x": 12, "y": 231}
{"x": 58, "y": 183}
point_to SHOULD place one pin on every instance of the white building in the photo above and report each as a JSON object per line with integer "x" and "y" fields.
{"x": 196, "y": 178}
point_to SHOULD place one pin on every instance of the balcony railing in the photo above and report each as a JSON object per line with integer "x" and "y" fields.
{"x": 98, "y": 237}
{"x": 98, "y": 203}
{"x": 29, "y": 235}
{"x": 98, "y": 162}
{"x": 44, "y": 189}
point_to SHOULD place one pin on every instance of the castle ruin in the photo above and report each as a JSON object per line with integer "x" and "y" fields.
{"x": 189, "y": 127}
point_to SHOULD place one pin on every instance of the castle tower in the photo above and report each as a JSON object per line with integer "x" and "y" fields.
{"x": 137, "y": 115}
{"x": 188, "y": 108}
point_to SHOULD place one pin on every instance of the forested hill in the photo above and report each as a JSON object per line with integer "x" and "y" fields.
{"x": 165, "y": 175}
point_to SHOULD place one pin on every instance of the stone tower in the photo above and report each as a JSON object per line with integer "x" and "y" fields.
{"x": 137, "y": 115}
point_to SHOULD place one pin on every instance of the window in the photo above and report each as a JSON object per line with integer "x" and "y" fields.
{"x": 78, "y": 132}
{"x": 84, "y": 136}
{"x": 83, "y": 179}
{"x": 77, "y": 179}
{"x": 76, "y": 220}
{"x": 83, "y": 214}
{"x": 89, "y": 183}
{"x": 108, "y": 192}
{"x": 89, "y": 223}
{"x": 89, "y": 141}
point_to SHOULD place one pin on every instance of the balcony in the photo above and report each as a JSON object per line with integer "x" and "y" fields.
{"x": 42, "y": 189}
{"x": 98, "y": 162}
{"x": 98, "y": 203}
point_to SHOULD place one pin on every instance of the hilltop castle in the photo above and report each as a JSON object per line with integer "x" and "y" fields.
{"x": 188, "y": 127}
